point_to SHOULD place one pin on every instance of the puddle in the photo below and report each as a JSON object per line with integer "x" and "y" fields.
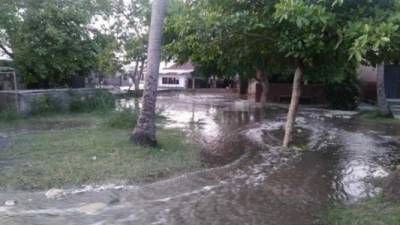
{"x": 250, "y": 179}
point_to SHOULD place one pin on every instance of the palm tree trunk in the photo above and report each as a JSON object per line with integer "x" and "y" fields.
{"x": 383, "y": 106}
{"x": 145, "y": 131}
{"x": 133, "y": 76}
{"x": 138, "y": 76}
{"x": 294, "y": 104}
{"x": 193, "y": 82}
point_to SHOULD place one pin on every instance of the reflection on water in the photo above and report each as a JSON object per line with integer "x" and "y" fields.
{"x": 251, "y": 180}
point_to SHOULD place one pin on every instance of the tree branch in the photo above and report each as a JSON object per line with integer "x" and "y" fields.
{"x": 2, "y": 47}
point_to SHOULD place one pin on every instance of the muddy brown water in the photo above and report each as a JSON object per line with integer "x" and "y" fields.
{"x": 249, "y": 179}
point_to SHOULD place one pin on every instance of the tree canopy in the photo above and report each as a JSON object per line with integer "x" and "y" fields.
{"x": 330, "y": 36}
{"x": 50, "y": 42}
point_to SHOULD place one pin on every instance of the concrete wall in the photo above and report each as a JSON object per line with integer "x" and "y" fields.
{"x": 28, "y": 98}
{"x": 281, "y": 93}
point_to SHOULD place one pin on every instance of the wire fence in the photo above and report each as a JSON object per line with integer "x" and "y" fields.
{"x": 8, "y": 72}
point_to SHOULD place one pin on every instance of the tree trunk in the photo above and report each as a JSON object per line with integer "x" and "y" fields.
{"x": 138, "y": 76}
{"x": 193, "y": 83}
{"x": 263, "y": 79}
{"x": 133, "y": 76}
{"x": 294, "y": 104}
{"x": 243, "y": 87}
{"x": 145, "y": 131}
{"x": 383, "y": 106}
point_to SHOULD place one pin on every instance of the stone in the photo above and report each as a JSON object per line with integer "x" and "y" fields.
{"x": 93, "y": 208}
{"x": 391, "y": 189}
{"x": 10, "y": 203}
{"x": 55, "y": 193}
{"x": 94, "y": 158}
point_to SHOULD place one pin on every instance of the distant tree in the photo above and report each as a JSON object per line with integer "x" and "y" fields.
{"x": 107, "y": 61}
{"x": 50, "y": 42}
{"x": 236, "y": 36}
{"x": 131, "y": 26}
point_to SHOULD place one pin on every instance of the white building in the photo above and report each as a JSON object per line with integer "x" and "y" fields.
{"x": 175, "y": 76}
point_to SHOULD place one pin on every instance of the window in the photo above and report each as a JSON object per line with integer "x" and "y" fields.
{"x": 170, "y": 80}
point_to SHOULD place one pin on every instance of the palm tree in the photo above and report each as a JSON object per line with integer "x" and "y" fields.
{"x": 145, "y": 131}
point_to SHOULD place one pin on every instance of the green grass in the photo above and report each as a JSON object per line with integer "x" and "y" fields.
{"x": 375, "y": 116}
{"x": 94, "y": 153}
{"x": 375, "y": 211}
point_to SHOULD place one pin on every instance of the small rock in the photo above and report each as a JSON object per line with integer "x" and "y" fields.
{"x": 94, "y": 158}
{"x": 92, "y": 209}
{"x": 10, "y": 203}
{"x": 55, "y": 193}
{"x": 299, "y": 131}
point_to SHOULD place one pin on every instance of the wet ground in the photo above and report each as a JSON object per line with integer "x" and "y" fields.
{"x": 249, "y": 179}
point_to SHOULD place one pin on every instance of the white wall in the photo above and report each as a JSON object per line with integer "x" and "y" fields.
{"x": 183, "y": 81}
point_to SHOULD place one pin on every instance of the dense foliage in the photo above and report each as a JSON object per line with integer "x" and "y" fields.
{"x": 344, "y": 94}
{"x": 52, "y": 43}
{"x": 326, "y": 37}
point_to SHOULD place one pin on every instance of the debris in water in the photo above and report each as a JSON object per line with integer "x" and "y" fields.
{"x": 10, "y": 203}
{"x": 92, "y": 209}
{"x": 55, "y": 193}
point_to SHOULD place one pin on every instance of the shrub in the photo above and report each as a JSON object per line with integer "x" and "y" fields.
{"x": 124, "y": 119}
{"x": 135, "y": 93}
{"x": 100, "y": 101}
{"x": 9, "y": 114}
{"x": 127, "y": 118}
{"x": 343, "y": 95}
{"x": 372, "y": 115}
{"x": 46, "y": 104}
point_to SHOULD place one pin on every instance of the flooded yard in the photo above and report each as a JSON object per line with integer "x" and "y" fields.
{"x": 246, "y": 177}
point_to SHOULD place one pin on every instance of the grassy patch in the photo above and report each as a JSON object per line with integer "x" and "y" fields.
{"x": 53, "y": 121}
{"x": 376, "y": 116}
{"x": 374, "y": 211}
{"x": 93, "y": 153}
{"x": 123, "y": 119}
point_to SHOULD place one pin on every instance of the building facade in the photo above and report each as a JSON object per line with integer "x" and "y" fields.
{"x": 176, "y": 77}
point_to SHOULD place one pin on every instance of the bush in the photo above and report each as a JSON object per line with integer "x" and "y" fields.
{"x": 127, "y": 118}
{"x": 9, "y": 114}
{"x": 343, "y": 95}
{"x": 100, "y": 101}
{"x": 124, "y": 119}
{"x": 373, "y": 115}
{"x": 46, "y": 104}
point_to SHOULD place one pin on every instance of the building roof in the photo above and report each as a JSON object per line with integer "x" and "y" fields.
{"x": 186, "y": 68}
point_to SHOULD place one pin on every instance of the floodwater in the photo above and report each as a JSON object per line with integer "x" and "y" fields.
{"x": 248, "y": 179}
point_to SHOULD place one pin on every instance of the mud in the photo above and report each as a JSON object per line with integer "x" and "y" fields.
{"x": 250, "y": 179}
